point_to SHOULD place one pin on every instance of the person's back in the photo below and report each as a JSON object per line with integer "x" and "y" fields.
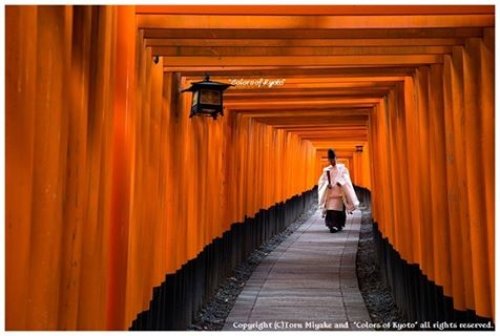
{"x": 336, "y": 194}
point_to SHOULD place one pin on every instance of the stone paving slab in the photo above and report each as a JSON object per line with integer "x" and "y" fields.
{"x": 308, "y": 282}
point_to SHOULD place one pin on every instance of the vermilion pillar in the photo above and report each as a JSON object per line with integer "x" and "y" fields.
{"x": 123, "y": 112}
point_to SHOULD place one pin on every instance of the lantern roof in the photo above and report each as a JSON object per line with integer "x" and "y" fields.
{"x": 207, "y": 84}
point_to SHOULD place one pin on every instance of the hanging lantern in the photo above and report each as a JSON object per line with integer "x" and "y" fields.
{"x": 359, "y": 148}
{"x": 207, "y": 97}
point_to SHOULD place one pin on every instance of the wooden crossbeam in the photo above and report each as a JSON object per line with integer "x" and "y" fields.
{"x": 308, "y": 34}
{"x": 298, "y": 51}
{"x": 325, "y": 107}
{"x": 310, "y": 103}
{"x": 303, "y": 60}
{"x": 360, "y": 113}
{"x": 313, "y": 22}
{"x": 289, "y": 85}
{"x": 360, "y": 42}
{"x": 313, "y": 10}
{"x": 297, "y": 72}
{"x": 310, "y": 93}
{"x": 312, "y": 120}
{"x": 324, "y": 145}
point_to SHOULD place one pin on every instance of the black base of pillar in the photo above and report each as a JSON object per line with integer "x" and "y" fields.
{"x": 177, "y": 300}
{"x": 417, "y": 297}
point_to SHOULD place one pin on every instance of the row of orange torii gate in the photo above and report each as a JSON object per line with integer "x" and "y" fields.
{"x": 111, "y": 188}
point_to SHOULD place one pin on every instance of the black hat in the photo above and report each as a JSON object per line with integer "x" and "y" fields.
{"x": 331, "y": 154}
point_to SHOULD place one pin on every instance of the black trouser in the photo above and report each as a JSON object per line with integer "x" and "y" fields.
{"x": 335, "y": 219}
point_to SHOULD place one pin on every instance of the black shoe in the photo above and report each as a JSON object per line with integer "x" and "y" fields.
{"x": 334, "y": 229}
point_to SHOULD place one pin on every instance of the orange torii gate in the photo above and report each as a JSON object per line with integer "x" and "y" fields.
{"x": 111, "y": 188}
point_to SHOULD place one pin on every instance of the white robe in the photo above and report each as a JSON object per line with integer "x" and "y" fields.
{"x": 335, "y": 197}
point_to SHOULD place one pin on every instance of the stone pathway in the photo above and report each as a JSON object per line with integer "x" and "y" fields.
{"x": 307, "y": 283}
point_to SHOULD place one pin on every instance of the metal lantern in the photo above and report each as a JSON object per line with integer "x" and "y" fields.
{"x": 207, "y": 97}
{"x": 359, "y": 148}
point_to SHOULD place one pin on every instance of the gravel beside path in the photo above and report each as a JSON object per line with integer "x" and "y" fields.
{"x": 377, "y": 296}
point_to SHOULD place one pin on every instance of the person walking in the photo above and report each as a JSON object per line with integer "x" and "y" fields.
{"x": 336, "y": 194}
